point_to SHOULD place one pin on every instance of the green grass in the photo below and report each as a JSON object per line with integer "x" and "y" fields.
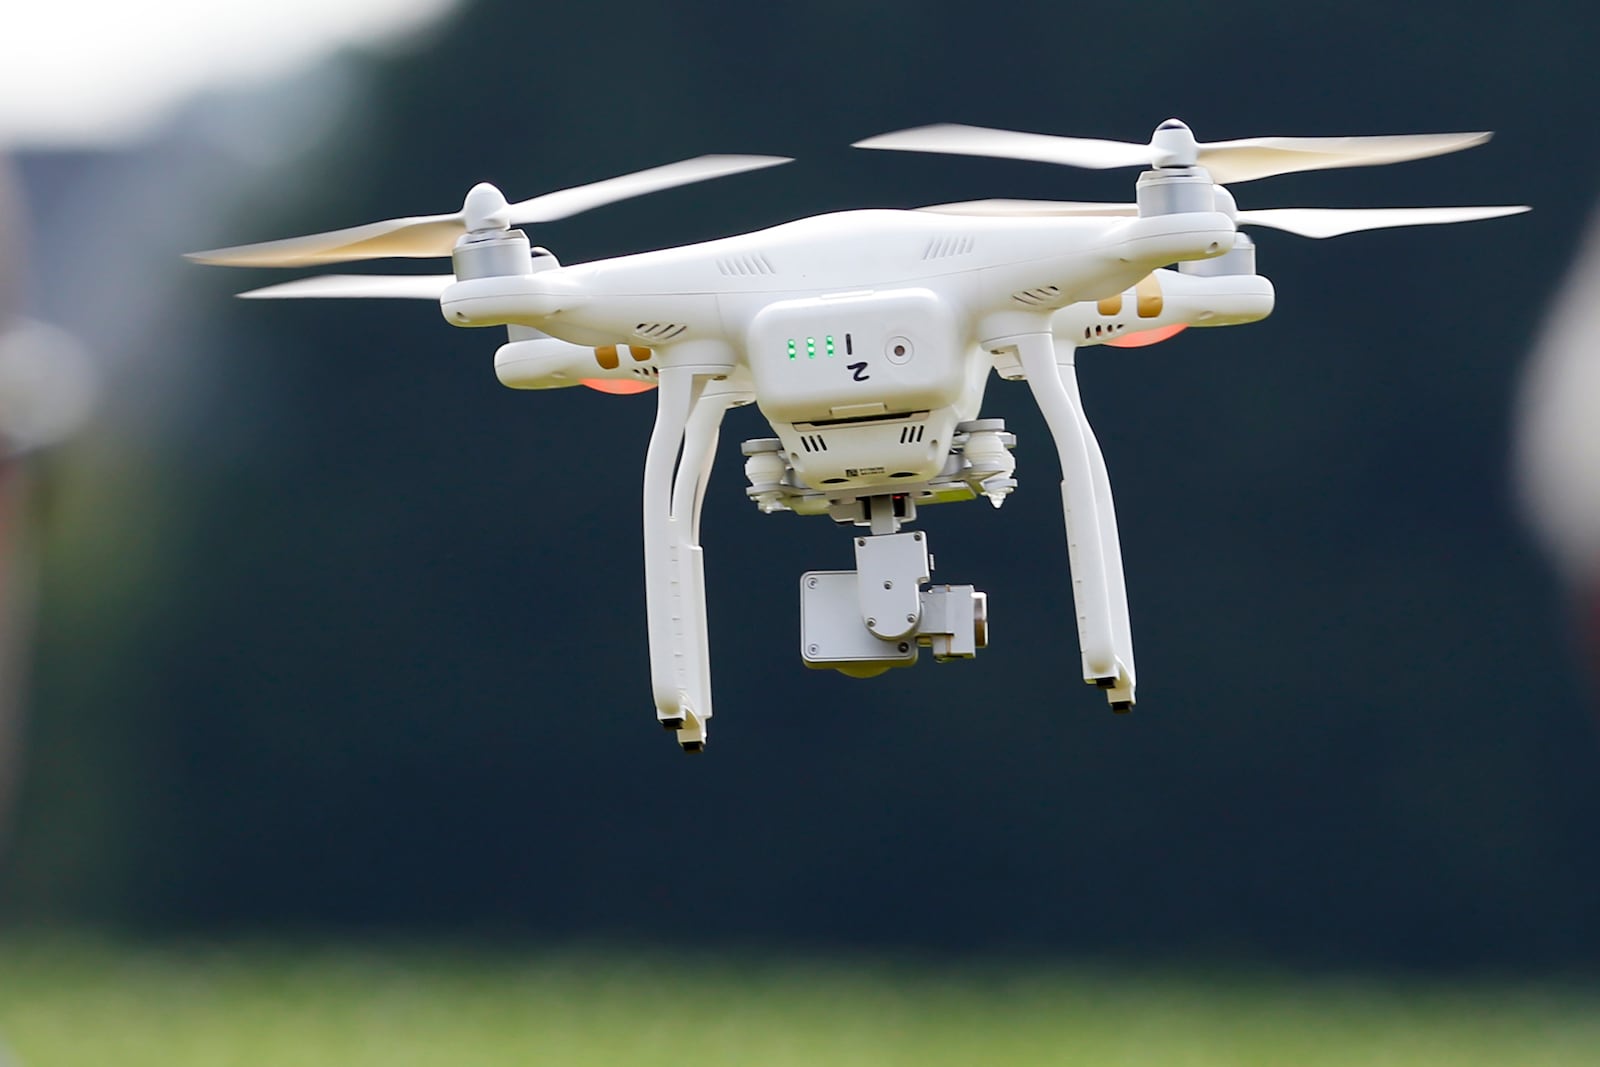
{"x": 69, "y": 1002}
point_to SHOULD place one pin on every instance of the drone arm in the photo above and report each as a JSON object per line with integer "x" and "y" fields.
{"x": 1092, "y": 574}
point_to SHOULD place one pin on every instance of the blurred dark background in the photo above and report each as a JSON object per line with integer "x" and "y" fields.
{"x": 338, "y": 634}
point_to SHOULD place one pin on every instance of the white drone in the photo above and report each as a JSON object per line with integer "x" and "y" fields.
{"x": 866, "y": 338}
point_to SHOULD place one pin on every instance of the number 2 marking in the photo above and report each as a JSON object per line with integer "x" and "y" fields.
{"x": 860, "y": 370}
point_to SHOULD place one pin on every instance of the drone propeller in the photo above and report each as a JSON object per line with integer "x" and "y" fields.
{"x": 357, "y": 286}
{"x": 1305, "y": 221}
{"x": 1173, "y": 145}
{"x": 485, "y": 208}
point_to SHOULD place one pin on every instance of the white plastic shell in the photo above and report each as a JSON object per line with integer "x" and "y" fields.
{"x": 856, "y": 355}
{"x": 836, "y": 456}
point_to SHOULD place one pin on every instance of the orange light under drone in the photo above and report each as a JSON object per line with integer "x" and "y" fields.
{"x": 1142, "y": 338}
{"x": 618, "y": 386}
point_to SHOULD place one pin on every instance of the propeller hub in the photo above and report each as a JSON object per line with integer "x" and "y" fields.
{"x": 485, "y": 209}
{"x": 1173, "y": 145}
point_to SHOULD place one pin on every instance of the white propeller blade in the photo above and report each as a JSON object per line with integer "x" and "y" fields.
{"x": 427, "y": 236}
{"x": 1039, "y": 147}
{"x": 1228, "y": 161}
{"x": 1262, "y": 157}
{"x": 566, "y": 202}
{"x": 356, "y": 286}
{"x": 1305, "y": 221}
{"x": 1331, "y": 222}
{"x": 420, "y": 236}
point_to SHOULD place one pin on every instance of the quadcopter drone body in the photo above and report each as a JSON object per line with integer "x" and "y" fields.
{"x": 866, "y": 338}
{"x": 868, "y": 351}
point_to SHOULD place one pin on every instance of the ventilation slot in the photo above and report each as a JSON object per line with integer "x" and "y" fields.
{"x": 942, "y": 247}
{"x": 745, "y": 266}
{"x": 659, "y": 331}
{"x": 910, "y": 435}
{"x": 813, "y": 442}
{"x": 1046, "y": 294}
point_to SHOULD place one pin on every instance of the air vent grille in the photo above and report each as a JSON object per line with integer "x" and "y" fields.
{"x": 1045, "y": 294}
{"x": 944, "y": 247}
{"x": 813, "y": 442}
{"x": 659, "y": 331}
{"x": 910, "y": 435}
{"x": 745, "y": 266}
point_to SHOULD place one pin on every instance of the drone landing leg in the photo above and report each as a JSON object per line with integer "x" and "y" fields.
{"x": 691, "y": 649}
{"x": 1121, "y": 695}
{"x": 688, "y": 416}
{"x": 1086, "y": 551}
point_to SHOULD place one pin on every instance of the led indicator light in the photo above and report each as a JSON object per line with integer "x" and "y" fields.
{"x": 829, "y": 339}
{"x": 791, "y": 348}
{"x": 811, "y": 348}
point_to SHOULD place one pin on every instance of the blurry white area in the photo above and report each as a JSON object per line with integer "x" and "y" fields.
{"x": 47, "y": 382}
{"x": 104, "y": 227}
{"x": 47, "y": 386}
{"x": 80, "y": 72}
{"x": 1558, "y": 446}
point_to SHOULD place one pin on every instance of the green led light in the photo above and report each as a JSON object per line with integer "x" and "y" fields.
{"x": 811, "y": 348}
{"x": 791, "y": 348}
{"x": 829, "y": 339}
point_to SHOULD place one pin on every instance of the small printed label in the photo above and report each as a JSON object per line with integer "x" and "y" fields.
{"x": 861, "y": 472}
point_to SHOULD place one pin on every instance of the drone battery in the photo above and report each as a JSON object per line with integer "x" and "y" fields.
{"x": 854, "y": 355}
{"x": 863, "y": 388}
